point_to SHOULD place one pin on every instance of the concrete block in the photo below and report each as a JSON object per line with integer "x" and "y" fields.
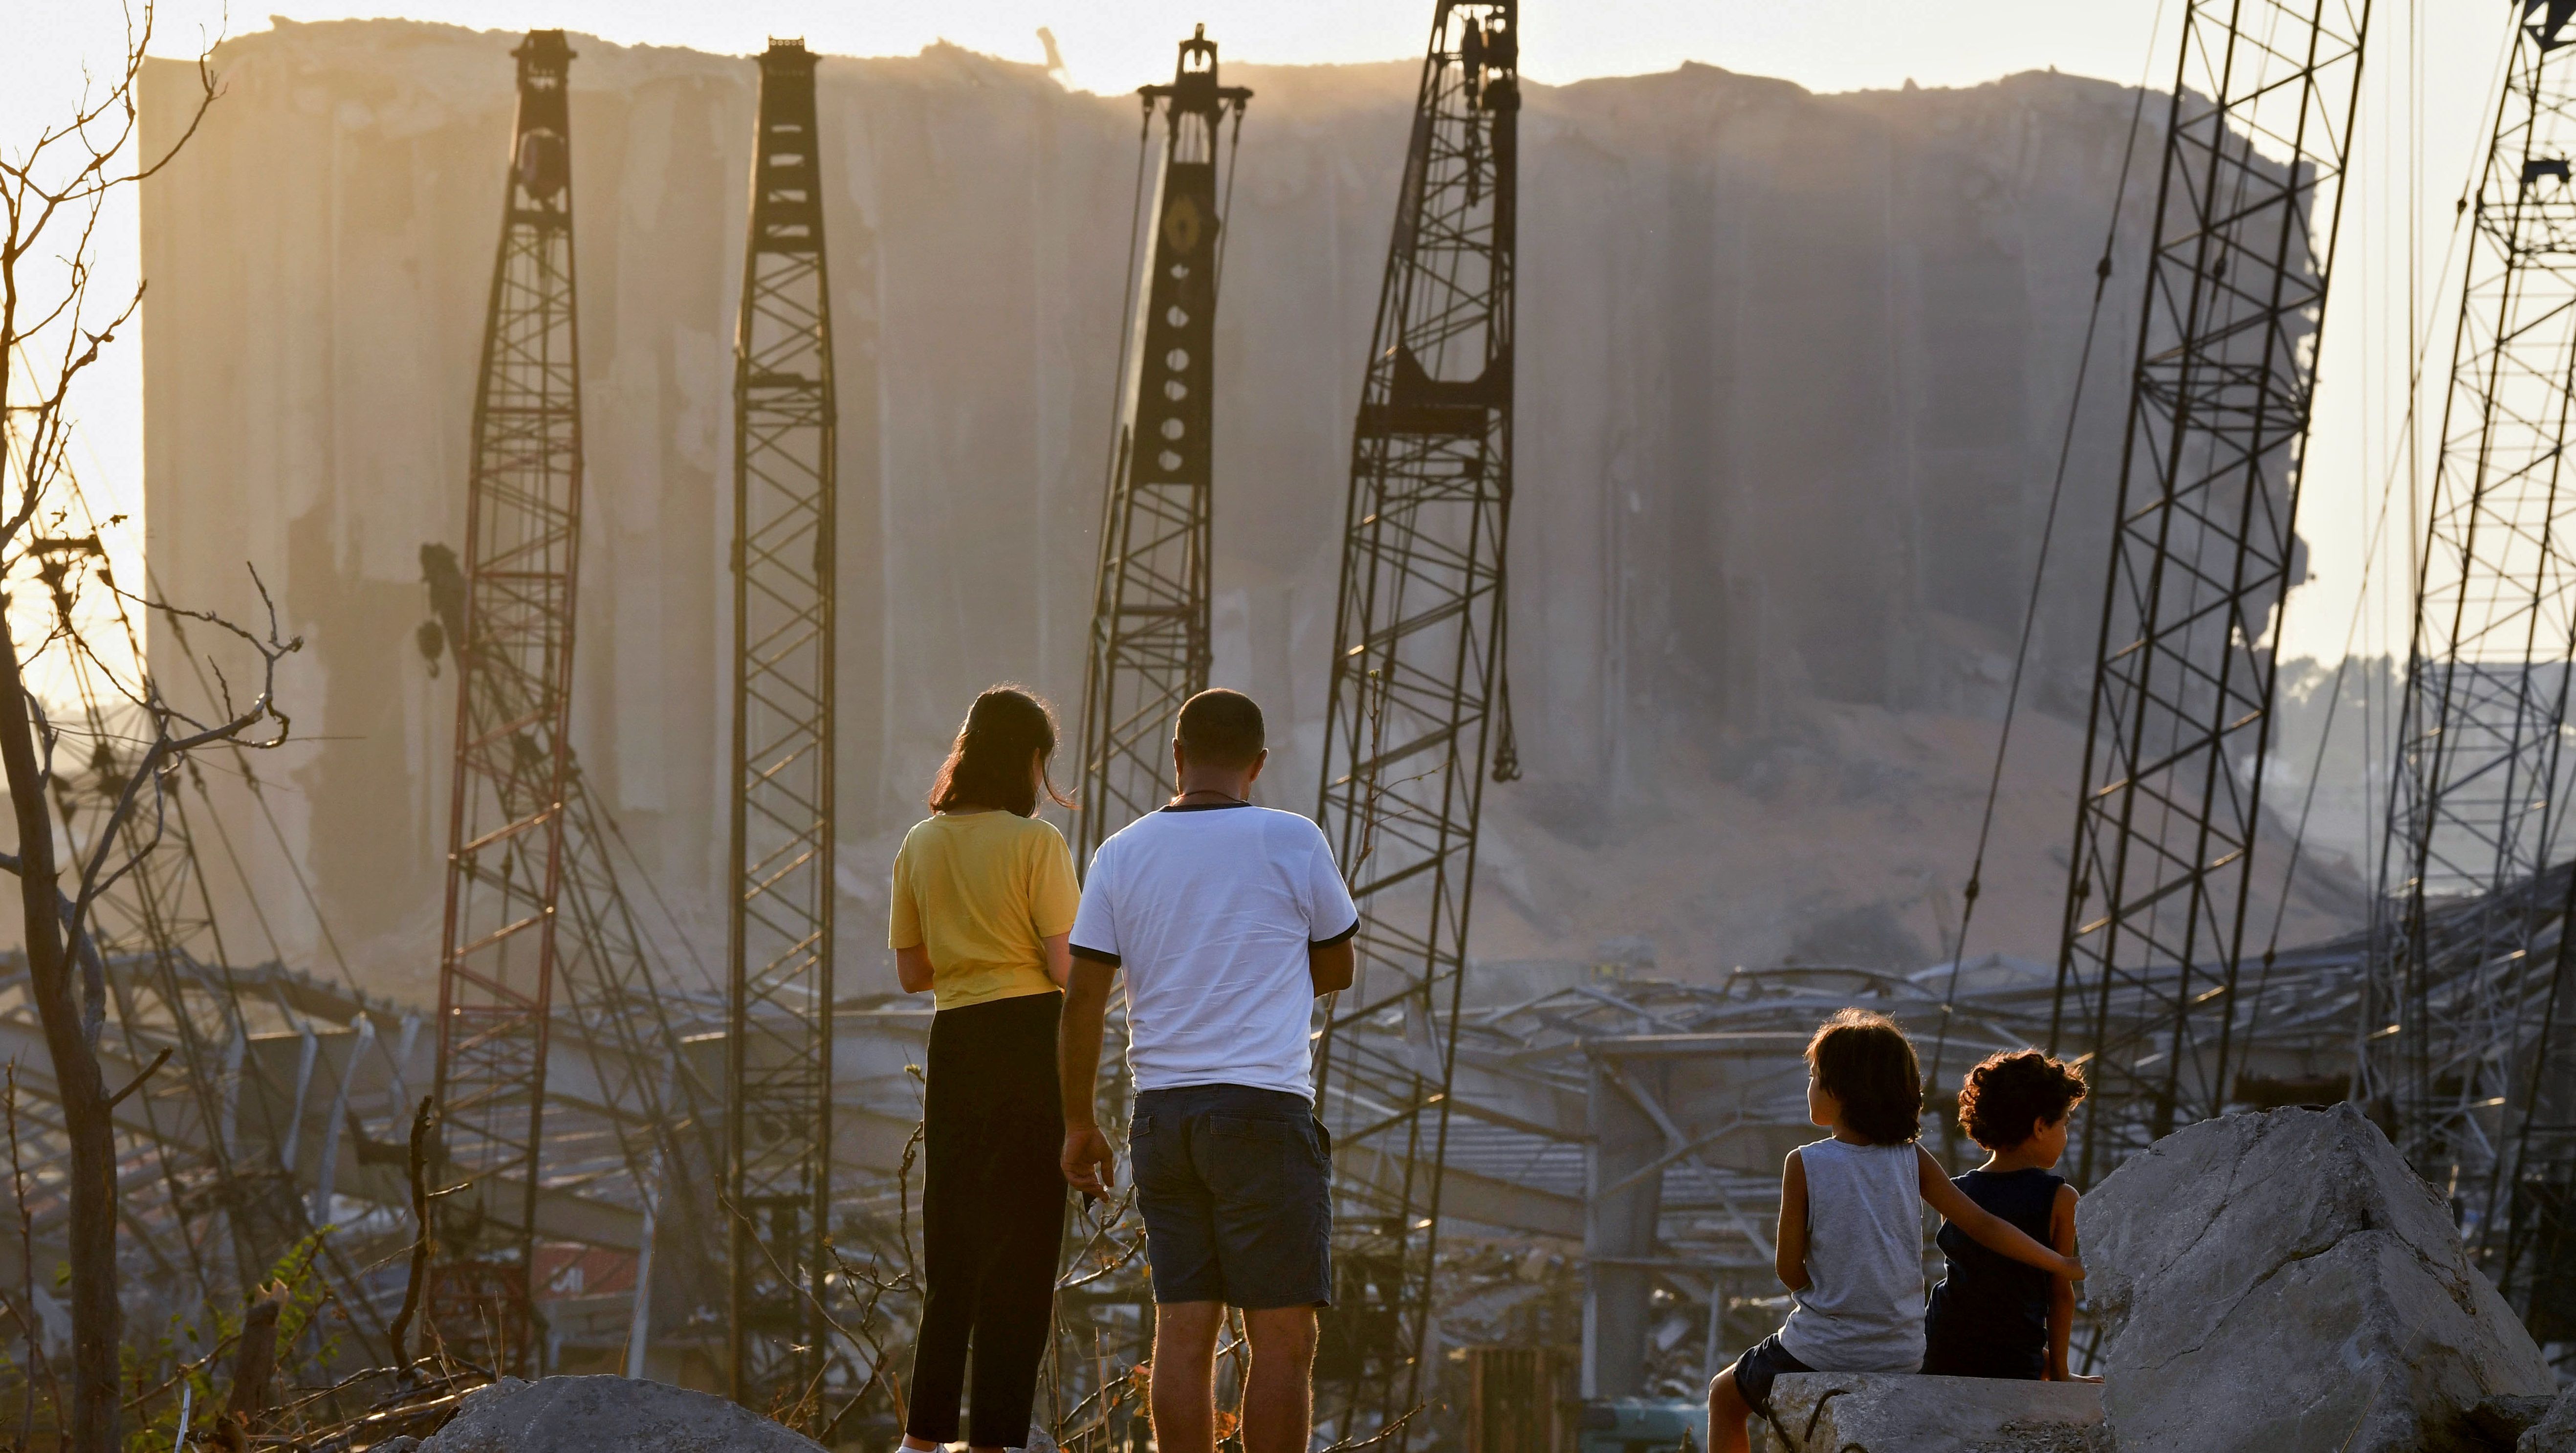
{"x": 1895, "y": 1412}
{"x": 2283, "y": 1283}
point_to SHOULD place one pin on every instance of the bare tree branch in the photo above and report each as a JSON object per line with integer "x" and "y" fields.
{"x": 53, "y": 196}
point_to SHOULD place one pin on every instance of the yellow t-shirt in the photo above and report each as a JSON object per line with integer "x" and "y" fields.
{"x": 983, "y": 890}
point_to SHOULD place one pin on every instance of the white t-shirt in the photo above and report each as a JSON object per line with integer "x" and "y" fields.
{"x": 1211, "y": 910}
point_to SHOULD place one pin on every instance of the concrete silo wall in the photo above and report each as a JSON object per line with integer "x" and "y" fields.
{"x": 1792, "y": 373}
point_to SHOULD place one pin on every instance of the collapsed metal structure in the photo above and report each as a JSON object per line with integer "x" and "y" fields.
{"x": 779, "y": 932}
{"x": 1415, "y": 687}
{"x": 2149, "y": 982}
{"x": 237, "y": 1213}
{"x": 2468, "y": 1028}
{"x": 1648, "y": 1120}
{"x": 1149, "y": 619}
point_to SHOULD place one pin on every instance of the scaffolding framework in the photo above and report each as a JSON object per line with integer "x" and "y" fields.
{"x": 189, "y": 1001}
{"x": 2160, "y": 881}
{"x": 236, "y": 1210}
{"x": 1415, "y": 683}
{"x": 661, "y": 1099}
{"x": 2463, "y": 1063}
{"x": 498, "y": 949}
{"x": 1149, "y": 616}
{"x": 779, "y": 1051}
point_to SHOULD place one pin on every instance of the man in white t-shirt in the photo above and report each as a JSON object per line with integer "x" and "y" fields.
{"x": 1229, "y": 920}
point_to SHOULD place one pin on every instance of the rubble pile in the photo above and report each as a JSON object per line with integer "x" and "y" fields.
{"x": 2554, "y": 1431}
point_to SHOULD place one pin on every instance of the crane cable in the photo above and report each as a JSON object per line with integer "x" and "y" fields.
{"x": 2039, "y": 571}
{"x": 2408, "y": 430}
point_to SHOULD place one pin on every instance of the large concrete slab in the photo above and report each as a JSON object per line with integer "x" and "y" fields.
{"x": 2283, "y": 1283}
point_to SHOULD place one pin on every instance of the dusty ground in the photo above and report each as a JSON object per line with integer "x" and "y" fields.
{"x": 1846, "y": 838}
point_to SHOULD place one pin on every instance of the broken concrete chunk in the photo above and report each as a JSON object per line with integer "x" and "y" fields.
{"x": 2554, "y": 1431}
{"x": 2282, "y": 1282}
{"x": 2502, "y": 1420}
{"x": 606, "y": 1415}
{"x": 1895, "y": 1412}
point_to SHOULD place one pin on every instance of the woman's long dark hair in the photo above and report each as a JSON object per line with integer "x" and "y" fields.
{"x": 989, "y": 765}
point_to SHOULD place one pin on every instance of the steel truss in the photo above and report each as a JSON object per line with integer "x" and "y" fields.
{"x": 659, "y": 1099}
{"x": 1149, "y": 652}
{"x": 2255, "y": 144}
{"x": 159, "y": 915}
{"x": 1418, "y": 649}
{"x": 499, "y": 950}
{"x": 1149, "y": 617}
{"x": 2468, "y": 1062}
{"x": 779, "y": 1052}
{"x": 187, "y": 1000}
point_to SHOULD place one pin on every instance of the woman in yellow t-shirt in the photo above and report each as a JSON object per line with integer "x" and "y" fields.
{"x": 983, "y": 906}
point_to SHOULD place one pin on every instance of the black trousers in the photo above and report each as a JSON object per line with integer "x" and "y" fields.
{"x": 992, "y": 1214}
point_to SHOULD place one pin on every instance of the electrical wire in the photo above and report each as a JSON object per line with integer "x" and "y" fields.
{"x": 2047, "y": 535}
{"x": 2406, "y": 459}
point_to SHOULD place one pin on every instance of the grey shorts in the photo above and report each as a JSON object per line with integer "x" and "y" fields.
{"x": 1755, "y": 1370}
{"x": 1235, "y": 1185}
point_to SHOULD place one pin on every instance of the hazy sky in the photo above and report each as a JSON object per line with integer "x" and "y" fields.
{"x": 1114, "y": 46}
{"x": 2395, "y": 225}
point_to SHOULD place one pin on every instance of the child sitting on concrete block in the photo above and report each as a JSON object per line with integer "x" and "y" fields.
{"x": 1992, "y": 1317}
{"x": 1850, "y": 1245}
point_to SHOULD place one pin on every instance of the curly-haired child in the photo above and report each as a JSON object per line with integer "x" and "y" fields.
{"x": 1991, "y": 1317}
{"x": 1851, "y": 1233}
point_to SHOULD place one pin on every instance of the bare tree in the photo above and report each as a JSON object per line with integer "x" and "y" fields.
{"x": 54, "y": 191}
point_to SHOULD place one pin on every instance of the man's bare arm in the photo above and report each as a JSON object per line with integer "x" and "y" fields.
{"x": 1331, "y": 966}
{"x": 1086, "y": 1159}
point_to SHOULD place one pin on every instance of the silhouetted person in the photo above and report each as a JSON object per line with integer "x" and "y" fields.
{"x": 983, "y": 898}
{"x": 1229, "y": 920}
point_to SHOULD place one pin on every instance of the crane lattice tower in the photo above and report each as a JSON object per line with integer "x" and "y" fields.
{"x": 1149, "y": 618}
{"x": 2161, "y": 880}
{"x": 2470, "y": 1058}
{"x": 779, "y": 1050}
{"x": 498, "y": 946}
{"x": 1416, "y": 684}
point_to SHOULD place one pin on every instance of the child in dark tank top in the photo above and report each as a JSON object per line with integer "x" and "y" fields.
{"x": 1992, "y": 1316}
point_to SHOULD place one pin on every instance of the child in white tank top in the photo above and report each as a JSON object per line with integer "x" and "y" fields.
{"x": 1851, "y": 1232}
